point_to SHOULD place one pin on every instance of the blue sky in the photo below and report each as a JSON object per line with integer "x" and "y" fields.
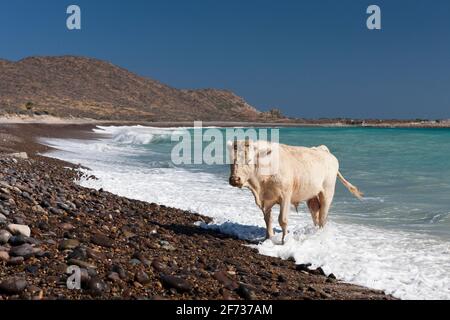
{"x": 313, "y": 58}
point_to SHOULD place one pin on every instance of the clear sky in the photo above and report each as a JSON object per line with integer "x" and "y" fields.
{"x": 312, "y": 58}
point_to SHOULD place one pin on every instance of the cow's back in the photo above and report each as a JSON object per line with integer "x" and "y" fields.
{"x": 307, "y": 169}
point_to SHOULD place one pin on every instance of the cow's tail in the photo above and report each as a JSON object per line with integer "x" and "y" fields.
{"x": 354, "y": 190}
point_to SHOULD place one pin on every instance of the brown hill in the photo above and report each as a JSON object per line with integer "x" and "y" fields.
{"x": 71, "y": 86}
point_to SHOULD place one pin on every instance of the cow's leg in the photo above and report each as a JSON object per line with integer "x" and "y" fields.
{"x": 314, "y": 208}
{"x": 325, "y": 197}
{"x": 285, "y": 206}
{"x": 268, "y": 218}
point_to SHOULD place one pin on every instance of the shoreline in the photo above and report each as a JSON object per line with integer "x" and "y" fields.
{"x": 129, "y": 249}
{"x": 49, "y": 120}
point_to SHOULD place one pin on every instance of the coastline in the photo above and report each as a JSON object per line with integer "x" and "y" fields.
{"x": 339, "y": 123}
{"x": 157, "y": 254}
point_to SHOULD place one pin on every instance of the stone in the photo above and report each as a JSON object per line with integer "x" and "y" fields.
{"x": 17, "y": 240}
{"x": 303, "y": 267}
{"x": 4, "y": 256}
{"x": 158, "y": 265}
{"x": 68, "y": 244}
{"x": 15, "y": 261}
{"x": 81, "y": 264}
{"x": 142, "y": 277}
{"x": 173, "y": 282}
{"x": 4, "y": 236}
{"x": 13, "y": 285}
{"x": 246, "y": 293}
{"x": 25, "y": 250}
{"x": 19, "y": 229}
{"x": 225, "y": 280}
{"x": 101, "y": 240}
{"x": 19, "y": 155}
{"x": 96, "y": 287}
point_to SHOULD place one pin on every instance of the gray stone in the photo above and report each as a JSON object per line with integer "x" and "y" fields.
{"x": 13, "y": 285}
{"x": 19, "y": 229}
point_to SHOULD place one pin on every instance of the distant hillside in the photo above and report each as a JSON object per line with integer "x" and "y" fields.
{"x": 71, "y": 86}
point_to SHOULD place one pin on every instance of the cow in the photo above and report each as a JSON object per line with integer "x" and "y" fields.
{"x": 286, "y": 175}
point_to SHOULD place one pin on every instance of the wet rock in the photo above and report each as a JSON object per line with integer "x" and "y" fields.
{"x": 68, "y": 244}
{"x": 173, "y": 282}
{"x": 4, "y": 236}
{"x": 102, "y": 240}
{"x": 2, "y": 217}
{"x": 246, "y": 292}
{"x": 19, "y": 229}
{"x": 303, "y": 267}
{"x": 319, "y": 272}
{"x": 13, "y": 285}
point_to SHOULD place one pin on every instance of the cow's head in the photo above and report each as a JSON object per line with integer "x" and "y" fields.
{"x": 244, "y": 158}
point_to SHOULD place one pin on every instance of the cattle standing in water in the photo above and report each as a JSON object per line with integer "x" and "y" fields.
{"x": 286, "y": 175}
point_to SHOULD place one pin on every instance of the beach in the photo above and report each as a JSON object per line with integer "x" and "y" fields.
{"x": 126, "y": 249}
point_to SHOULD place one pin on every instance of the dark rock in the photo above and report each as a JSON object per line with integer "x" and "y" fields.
{"x": 246, "y": 292}
{"x": 223, "y": 278}
{"x": 17, "y": 240}
{"x": 173, "y": 282}
{"x": 142, "y": 277}
{"x": 157, "y": 265}
{"x": 25, "y": 250}
{"x": 303, "y": 267}
{"x": 78, "y": 253}
{"x": 13, "y": 285}
{"x": 96, "y": 287}
{"x": 15, "y": 261}
{"x": 114, "y": 277}
{"x": 102, "y": 240}
{"x": 119, "y": 270}
{"x": 32, "y": 269}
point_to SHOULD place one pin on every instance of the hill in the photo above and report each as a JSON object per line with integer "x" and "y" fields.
{"x": 70, "y": 86}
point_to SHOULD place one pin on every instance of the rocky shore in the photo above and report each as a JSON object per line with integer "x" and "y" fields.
{"x": 125, "y": 249}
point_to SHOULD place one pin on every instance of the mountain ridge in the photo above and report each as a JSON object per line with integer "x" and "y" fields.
{"x": 82, "y": 87}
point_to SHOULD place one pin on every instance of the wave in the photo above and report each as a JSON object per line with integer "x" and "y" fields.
{"x": 138, "y": 135}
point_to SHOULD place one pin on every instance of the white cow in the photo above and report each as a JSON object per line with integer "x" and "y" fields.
{"x": 286, "y": 175}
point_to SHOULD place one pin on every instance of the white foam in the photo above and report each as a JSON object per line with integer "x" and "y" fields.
{"x": 406, "y": 265}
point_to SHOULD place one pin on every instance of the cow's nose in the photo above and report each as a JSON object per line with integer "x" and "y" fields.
{"x": 235, "y": 181}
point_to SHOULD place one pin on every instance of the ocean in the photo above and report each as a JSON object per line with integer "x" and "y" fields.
{"x": 397, "y": 239}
